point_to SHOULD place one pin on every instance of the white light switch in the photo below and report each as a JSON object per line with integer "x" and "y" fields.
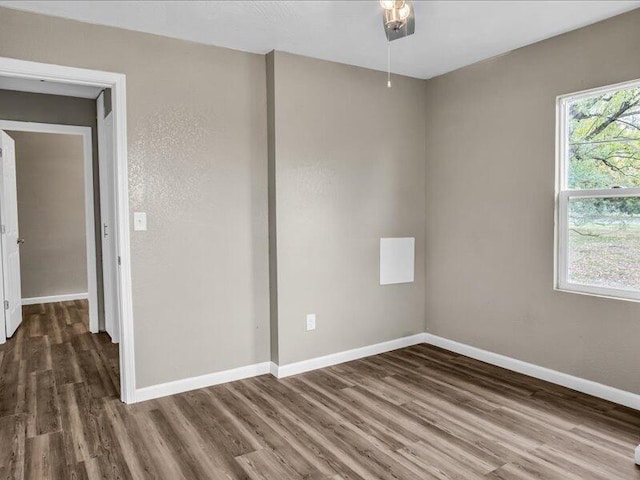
{"x": 311, "y": 321}
{"x": 139, "y": 221}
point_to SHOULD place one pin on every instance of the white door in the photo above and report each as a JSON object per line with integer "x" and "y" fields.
{"x": 106, "y": 168}
{"x": 10, "y": 239}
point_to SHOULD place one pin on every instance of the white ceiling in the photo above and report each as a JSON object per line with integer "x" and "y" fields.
{"x": 449, "y": 34}
{"x": 52, "y": 88}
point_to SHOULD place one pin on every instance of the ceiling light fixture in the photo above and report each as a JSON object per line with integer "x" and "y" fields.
{"x": 397, "y": 18}
{"x": 398, "y": 21}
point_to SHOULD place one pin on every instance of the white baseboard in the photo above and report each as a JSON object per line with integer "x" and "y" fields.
{"x": 55, "y": 298}
{"x": 192, "y": 383}
{"x": 282, "y": 371}
{"x": 589, "y": 387}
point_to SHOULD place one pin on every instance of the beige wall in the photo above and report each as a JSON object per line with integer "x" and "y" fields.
{"x": 490, "y": 138}
{"x": 347, "y": 160}
{"x": 198, "y": 167}
{"x": 51, "y": 218}
{"x": 348, "y": 169}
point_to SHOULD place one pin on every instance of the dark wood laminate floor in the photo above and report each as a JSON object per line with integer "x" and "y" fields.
{"x": 416, "y": 413}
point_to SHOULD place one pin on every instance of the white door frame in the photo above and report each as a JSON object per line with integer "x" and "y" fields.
{"x": 87, "y": 151}
{"x": 11, "y": 67}
{"x": 108, "y": 239}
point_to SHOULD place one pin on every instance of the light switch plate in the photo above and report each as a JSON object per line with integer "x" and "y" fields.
{"x": 139, "y": 221}
{"x": 311, "y": 321}
{"x": 397, "y": 260}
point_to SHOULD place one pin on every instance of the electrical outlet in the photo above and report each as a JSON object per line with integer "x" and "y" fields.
{"x": 311, "y": 321}
{"x": 139, "y": 221}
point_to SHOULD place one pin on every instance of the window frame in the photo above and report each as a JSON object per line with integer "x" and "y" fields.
{"x": 563, "y": 195}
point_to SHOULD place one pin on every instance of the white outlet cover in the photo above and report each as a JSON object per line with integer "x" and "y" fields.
{"x": 139, "y": 221}
{"x": 397, "y": 260}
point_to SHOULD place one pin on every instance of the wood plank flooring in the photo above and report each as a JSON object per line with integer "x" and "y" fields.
{"x": 416, "y": 413}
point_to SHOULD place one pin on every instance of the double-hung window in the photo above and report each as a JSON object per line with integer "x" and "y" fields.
{"x": 598, "y": 192}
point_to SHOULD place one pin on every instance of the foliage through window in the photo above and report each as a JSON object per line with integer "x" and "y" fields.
{"x": 599, "y": 192}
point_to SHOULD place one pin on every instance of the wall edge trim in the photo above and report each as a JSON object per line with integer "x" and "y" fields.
{"x": 589, "y": 387}
{"x": 282, "y": 371}
{"x": 201, "y": 381}
{"x": 263, "y": 368}
{"x": 595, "y": 389}
{"x": 67, "y": 297}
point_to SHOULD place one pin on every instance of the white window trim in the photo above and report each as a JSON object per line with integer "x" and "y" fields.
{"x": 563, "y": 194}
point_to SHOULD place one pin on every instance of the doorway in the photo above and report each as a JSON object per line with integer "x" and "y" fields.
{"x": 50, "y": 217}
{"x": 117, "y": 185}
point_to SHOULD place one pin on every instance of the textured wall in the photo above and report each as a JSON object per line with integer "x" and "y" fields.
{"x": 348, "y": 169}
{"x": 490, "y": 139}
{"x": 51, "y": 219}
{"x": 198, "y": 167}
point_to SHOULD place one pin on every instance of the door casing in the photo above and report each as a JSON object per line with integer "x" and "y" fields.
{"x": 10, "y": 67}
{"x": 108, "y": 235}
{"x": 87, "y": 148}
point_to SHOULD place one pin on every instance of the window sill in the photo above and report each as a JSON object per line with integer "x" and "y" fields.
{"x": 610, "y": 296}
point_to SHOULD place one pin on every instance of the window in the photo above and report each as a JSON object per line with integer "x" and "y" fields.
{"x": 598, "y": 201}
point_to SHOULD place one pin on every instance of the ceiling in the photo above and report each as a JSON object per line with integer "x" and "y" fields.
{"x": 449, "y": 34}
{"x": 50, "y": 87}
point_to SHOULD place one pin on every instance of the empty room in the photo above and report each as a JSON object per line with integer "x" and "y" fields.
{"x": 320, "y": 240}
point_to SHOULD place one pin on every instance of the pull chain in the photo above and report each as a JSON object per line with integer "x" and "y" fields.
{"x": 388, "y": 64}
